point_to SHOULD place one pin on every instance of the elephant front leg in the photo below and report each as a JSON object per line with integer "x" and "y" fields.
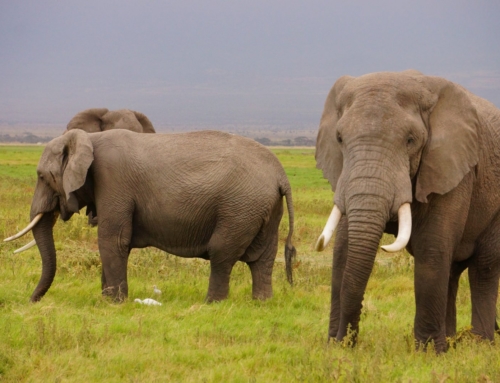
{"x": 338, "y": 267}
{"x": 114, "y": 249}
{"x": 431, "y": 296}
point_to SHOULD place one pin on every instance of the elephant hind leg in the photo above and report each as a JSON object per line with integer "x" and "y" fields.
{"x": 262, "y": 270}
{"x": 261, "y": 254}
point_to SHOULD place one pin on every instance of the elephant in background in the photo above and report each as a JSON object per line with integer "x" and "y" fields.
{"x": 207, "y": 194}
{"x": 101, "y": 119}
{"x": 418, "y": 157}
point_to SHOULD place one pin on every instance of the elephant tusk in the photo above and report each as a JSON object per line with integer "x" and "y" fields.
{"x": 404, "y": 230}
{"x": 25, "y": 247}
{"x": 26, "y": 229}
{"x": 330, "y": 227}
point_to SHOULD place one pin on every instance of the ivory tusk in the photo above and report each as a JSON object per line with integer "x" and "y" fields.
{"x": 330, "y": 227}
{"x": 25, "y": 247}
{"x": 404, "y": 230}
{"x": 26, "y": 229}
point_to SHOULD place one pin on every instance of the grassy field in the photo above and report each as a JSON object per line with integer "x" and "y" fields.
{"x": 74, "y": 335}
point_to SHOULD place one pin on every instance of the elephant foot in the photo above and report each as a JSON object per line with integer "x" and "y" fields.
{"x": 215, "y": 298}
{"x": 440, "y": 346}
{"x": 262, "y": 295}
{"x": 117, "y": 294}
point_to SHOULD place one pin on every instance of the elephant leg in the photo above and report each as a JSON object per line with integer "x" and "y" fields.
{"x": 218, "y": 286}
{"x": 104, "y": 285}
{"x": 114, "y": 248}
{"x": 262, "y": 270}
{"x": 338, "y": 267}
{"x": 451, "y": 306}
{"x": 484, "y": 273}
{"x": 261, "y": 254}
{"x": 436, "y": 235}
{"x": 431, "y": 296}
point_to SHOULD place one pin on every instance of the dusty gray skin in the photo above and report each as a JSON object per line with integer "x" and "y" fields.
{"x": 101, "y": 119}
{"x": 207, "y": 194}
{"x": 389, "y": 139}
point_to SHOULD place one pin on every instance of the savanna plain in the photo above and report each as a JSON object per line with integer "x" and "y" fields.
{"x": 75, "y": 335}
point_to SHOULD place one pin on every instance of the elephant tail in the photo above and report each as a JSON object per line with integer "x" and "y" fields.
{"x": 290, "y": 251}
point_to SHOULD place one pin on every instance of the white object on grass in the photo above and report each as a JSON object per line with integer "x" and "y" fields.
{"x": 147, "y": 301}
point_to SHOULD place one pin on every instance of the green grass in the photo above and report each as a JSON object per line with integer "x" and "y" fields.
{"x": 74, "y": 335}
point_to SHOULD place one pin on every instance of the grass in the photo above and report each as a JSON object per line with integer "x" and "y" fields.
{"x": 74, "y": 335}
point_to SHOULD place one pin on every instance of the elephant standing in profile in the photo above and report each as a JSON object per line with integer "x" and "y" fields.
{"x": 418, "y": 157}
{"x": 210, "y": 195}
{"x": 101, "y": 119}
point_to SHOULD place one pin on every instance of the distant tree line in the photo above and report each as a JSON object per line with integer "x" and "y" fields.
{"x": 297, "y": 141}
{"x": 24, "y": 138}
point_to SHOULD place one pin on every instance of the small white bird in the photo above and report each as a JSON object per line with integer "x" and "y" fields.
{"x": 147, "y": 301}
{"x": 156, "y": 290}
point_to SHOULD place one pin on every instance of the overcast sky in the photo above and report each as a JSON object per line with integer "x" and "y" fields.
{"x": 218, "y": 62}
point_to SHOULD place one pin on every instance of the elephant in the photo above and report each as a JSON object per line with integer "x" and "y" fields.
{"x": 204, "y": 194}
{"x": 101, "y": 119}
{"x": 415, "y": 156}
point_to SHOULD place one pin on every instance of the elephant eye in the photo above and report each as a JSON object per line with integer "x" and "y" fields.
{"x": 410, "y": 140}
{"x": 339, "y": 138}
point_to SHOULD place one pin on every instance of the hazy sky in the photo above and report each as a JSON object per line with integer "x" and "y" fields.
{"x": 220, "y": 62}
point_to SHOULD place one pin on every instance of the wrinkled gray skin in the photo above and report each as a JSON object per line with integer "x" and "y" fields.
{"x": 390, "y": 138}
{"x": 101, "y": 119}
{"x": 210, "y": 195}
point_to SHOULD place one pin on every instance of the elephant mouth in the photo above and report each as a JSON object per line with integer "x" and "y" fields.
{"x": 63, "y": 212}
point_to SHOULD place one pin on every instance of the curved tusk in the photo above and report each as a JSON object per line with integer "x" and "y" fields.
{"x": 330, "y": 227}
{"x": 26, "y": 229}
{"x": 404, "y": 230}
{"x": 25, "y": 247}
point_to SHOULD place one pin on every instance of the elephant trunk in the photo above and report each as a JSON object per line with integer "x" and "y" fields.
{"x": 43, "y": 233}
{"x": 366, "y": 216}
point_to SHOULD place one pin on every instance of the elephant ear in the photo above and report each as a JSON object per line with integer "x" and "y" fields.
{"x": 147, "y": 126}
{"x": 89, "y": 120}
{"x": 328, "y": 155}
{"x": 452, "y": 149}
{"x": 77, "y": 156}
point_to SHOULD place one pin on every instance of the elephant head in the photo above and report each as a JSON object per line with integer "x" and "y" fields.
{"x": 101, "y": 119}
{"x": 387, "y": 140}
{"x": 62, "y": 189}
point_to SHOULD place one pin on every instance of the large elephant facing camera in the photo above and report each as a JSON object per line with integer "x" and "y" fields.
{"x": 207, "y": 194}
{"x": 101, "y": 119}
{"x": 419, "y": 157}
